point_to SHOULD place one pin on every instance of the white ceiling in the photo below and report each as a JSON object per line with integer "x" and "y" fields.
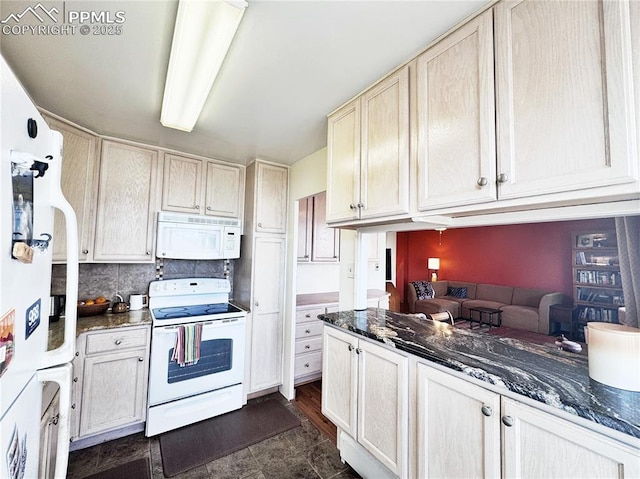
{"x": 291, "y": 63}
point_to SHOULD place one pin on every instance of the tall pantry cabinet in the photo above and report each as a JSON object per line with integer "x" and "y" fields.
{"x": 259, "y": 281}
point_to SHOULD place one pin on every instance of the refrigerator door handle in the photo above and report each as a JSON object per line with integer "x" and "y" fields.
{"x": 61, "y": 375}
{"x": 65, "y": 352}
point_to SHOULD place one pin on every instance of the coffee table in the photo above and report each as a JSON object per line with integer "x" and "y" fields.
{"x": 488, "y": 312}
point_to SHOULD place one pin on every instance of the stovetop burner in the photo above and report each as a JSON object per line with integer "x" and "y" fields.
{"x": 176, "y": 312}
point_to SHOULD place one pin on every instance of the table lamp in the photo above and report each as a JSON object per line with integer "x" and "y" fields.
{"x": 433, "y": 264}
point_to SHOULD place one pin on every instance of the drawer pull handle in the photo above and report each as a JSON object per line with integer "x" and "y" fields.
{"x": 308, "y": 331}
{"x": 307, "y": 347}
{"x": 487, "y": 410}
{"x": 118, "y": 342}
{"x": 307, "y": 315}
{"x": 507, "y": 421}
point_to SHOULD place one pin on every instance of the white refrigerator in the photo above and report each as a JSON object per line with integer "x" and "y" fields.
{"x": 30, "y": 170}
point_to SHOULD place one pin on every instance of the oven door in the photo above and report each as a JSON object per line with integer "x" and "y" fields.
{"x": 221, "y": 361}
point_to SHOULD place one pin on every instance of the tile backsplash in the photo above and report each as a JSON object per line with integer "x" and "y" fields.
{"x": 108, "y": 279}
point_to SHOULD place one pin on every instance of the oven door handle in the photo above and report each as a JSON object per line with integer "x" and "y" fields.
{"x": 208, "y": 324}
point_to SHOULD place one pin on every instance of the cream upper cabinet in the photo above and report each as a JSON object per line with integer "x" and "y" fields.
{"x": 272, "y": 187}
{"x": 456, "y": 118}
{"x": 561, "y": 449}
{"x": 198, "y": 186}
{"x": 305, "y": 229}
{"x": 368, "y": 153}
{"x": 564, "y": 97}
{"x": 127, "y": 203}
{"x": 80, "y": 158}
{"x": 453, "y": 411}
{"x": 325, "y": 241}
{"x": 182, "y": 184}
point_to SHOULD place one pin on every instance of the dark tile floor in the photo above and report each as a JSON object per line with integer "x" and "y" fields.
{"x": 303, "y": 452}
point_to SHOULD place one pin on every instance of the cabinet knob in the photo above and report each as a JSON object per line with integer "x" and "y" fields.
{"x": 306, "y": 365}
{"x": 307, "y": 331}
{"x": 487, "y": 410}
{"x": 308, "y": 315}
{"x": 350, "y": 347}
{"x": 73, "y": 406}
{"x": 77, "y": 353}
{"x": 503, "y": 178}
{"x": 197, "y": 207}
{"x": 118, "y": 342}
{"x": 352, "y": 206}
{"x": 55, "y": 419}
{"x": 85, "y": 251}
{"x": 507, "y": 421}
{"x": 358, "y": 350}
{"x": 75, "y": 380}
{"x": 148, "y": 253}
{"x": 209, "y": 208}
{"x": 259, "y": 225}
{"x": 141, "y": 359}
{"x": 360, "y": 205}
{"x": 482, "y": 181}
{"x": 257, "y": 303}
{"x": 307, "y": 347}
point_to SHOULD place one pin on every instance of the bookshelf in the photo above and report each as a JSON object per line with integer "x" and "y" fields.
{"x": 597, "y": 285}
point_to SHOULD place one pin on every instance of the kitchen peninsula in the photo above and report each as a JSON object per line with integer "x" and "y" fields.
{"x": 520, "y": 406}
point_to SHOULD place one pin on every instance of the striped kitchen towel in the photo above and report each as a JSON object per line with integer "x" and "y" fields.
{"x": 187, "y": 348}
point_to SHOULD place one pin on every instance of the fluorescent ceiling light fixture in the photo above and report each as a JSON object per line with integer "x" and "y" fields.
{"x": 201, "y": 38}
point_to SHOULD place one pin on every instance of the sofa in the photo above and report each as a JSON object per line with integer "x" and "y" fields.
{"x": 522, "y": 308}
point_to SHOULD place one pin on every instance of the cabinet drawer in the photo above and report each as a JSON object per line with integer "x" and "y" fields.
{"x": 309, "y": 345}
{"x": 115, "y": 340}
{"x": 308, "y": 364}
{"x": 303, "y": 315}
{"x": 305, "y": 330}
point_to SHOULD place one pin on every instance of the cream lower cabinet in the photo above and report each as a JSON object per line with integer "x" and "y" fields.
{"x": 267, "y": 314}
{"x": 365, "y": 393}
{"x": 49, "y": 431}
{"x": 128, "y": 193}
{"x": 111, "y": 370}
{"x": 308, "y": 345}
{"x": 490, "y": 430}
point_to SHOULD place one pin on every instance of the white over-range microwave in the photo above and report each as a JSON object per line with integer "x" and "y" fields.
{"x": 182, "y": 236}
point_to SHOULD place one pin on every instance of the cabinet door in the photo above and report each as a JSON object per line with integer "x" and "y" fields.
{"x": 267, "y": 312}
{"x": 564, "y": 96}
{"x": 537, "y": 444}
{"x": 114, "y": 391}
{"x": 343, "y": 163}
{"x": 454, "y": 411}
{"x": 126, "y": 203}
{"x": 340, "y": 379}
{"x": 305, "y": 218}
{"x": 383, "y": 420}
{"x": 225, "y": 190}
{"x": 456, "y": 118}
{"x": 384, "y": 159}
{"x": 49, "y": 439}
{"x": 634, "y": 8}
{"x": 271, "y": 198}
{"x": 182, "y": 179}
{"x": 79, "y": 186}
{"x": 326, "y": 241}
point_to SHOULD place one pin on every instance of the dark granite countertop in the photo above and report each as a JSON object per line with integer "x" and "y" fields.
{"x": 94, "y": 323}
{"x": 543, "y": 373}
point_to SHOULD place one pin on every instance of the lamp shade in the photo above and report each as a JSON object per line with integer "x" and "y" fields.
{"x": 433, "y": 263}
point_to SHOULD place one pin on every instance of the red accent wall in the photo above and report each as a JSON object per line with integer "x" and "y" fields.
{"x": 536, "y": 255}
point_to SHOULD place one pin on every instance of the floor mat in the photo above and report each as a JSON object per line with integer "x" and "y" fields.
{"x": 196, "y": 444}
{"x": 139, "y": 469}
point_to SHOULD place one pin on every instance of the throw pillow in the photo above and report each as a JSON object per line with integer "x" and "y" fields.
{"x": 457, "y": 292}
{"x": 424, "y": 290}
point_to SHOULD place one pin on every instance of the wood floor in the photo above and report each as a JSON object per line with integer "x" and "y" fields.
{"x": 309, "y": 402}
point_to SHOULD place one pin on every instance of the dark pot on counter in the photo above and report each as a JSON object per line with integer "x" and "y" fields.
{"x": 119, "y": 306}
